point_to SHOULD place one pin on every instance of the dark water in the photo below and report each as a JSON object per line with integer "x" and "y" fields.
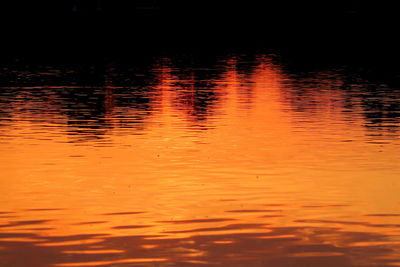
{"x": 229, "y": 160}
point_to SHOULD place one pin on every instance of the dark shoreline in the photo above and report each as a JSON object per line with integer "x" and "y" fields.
{"x": 315, "y": 32}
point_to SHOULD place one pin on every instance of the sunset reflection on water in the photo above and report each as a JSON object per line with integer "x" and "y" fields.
{"x": 189, "y": 161}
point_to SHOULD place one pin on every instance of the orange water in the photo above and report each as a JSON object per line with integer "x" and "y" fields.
{"x": 234, "y": 162}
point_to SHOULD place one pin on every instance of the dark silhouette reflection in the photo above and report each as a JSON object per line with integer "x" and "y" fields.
{"x": 124, "y": 101}
{"x": 192, "y": 82}
{"x": 312, "y": 93}
{"x": 381, "y": 104}
{"x": 90, "y": 100}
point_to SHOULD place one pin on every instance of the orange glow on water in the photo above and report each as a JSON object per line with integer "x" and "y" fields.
{"x": 247, "y": 160}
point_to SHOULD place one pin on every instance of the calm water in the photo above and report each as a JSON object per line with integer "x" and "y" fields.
{"x": 235, "y": 161}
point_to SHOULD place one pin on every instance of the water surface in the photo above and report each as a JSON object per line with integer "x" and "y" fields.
{"x": 238, "y": 160}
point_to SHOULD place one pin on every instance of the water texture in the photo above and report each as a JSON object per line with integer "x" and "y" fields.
{"x": 238, "y": 160}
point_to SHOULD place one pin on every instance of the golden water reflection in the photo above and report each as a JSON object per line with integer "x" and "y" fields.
{"x": 230, "y": 162}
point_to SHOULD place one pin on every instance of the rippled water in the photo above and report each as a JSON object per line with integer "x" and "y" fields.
{"x": 235, "y": 161}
